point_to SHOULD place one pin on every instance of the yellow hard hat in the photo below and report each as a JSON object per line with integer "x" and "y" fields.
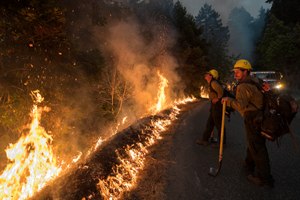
{"x": 242, "y": 64}
{"x": 214, "y": 73}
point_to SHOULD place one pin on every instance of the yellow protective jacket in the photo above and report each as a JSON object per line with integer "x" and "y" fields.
{"x": 215, "y": 90}
{"x": 248, "y": 97}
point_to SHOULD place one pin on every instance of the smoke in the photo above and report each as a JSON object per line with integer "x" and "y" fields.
{"x": 132, "y": 64}
{"x": 138, "y": 60}
{"x": 234, "y": 14}
{"x": 224, "y": 7}
{"x": 137, "y": 52}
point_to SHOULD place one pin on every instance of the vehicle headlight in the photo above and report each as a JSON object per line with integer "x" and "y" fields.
{"x": 279, "y": 86}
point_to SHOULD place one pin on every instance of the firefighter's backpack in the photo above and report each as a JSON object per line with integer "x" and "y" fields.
{"x": 278, "y": 112}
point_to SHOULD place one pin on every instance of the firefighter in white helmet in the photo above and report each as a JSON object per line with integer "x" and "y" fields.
{"x": 215, "y": 116}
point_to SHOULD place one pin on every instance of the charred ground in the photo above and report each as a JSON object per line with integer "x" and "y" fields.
{"x": 81, "y": 181}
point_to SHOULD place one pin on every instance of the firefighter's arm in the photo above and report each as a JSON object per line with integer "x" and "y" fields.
{"x": 240, "y": 102}
{"x": 219, "y": 90}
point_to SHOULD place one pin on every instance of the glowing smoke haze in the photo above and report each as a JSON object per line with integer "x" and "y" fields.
{"x": 241, "y": 41}
{"x": 138, "y": 61}
{"x": 224, "y": 7}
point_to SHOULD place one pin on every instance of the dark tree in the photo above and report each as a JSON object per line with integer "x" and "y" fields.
{"x": 32, "y": 37}
{"x": 216, "y": 35}
{"x": 279, "y": 47}
{"x": 286, "y": 11}
{"x": 190, "y": 49}
{"x": 259, "y": 24}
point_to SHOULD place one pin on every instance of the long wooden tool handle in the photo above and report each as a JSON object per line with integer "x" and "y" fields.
{"x": 222, "y": 132}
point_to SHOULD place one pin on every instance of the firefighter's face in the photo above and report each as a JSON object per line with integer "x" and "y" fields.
{"x": 240, "y": 74}
{"x": 208, "y": 77}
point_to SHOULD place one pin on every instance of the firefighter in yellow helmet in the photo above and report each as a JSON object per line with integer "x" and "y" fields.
{"x": 214, "y": 73}
{"x": 249, "y": 102}
{"x": 242, "y": 64}
{"x": 215, "y": 116}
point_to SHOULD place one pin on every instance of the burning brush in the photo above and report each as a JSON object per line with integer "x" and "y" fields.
{"x": 111, "y": 168}
{"x": 114, "y": 167}
{"x": 32, "y": 163}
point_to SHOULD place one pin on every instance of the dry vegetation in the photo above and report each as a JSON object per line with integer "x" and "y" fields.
{"x": 152, "y": 181}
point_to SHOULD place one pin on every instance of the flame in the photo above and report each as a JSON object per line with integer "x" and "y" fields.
{"x": 124, "y": 176}
{"x": 101, "y": 140}
{"x": 184, "y": 100}
{"x": 126, "y": 172}
{"x": 203, "y": 93}
{"x": 124, "y": 120}
{"x": 132, "y": 161}
{"x": 77, "y": 157}
{"x": 32, "y": 163}
{"x": 161, "y": 96}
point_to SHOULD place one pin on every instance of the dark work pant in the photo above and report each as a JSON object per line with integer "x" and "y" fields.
{"x": 257, "y": 158}
{"x": 214, "y": 120}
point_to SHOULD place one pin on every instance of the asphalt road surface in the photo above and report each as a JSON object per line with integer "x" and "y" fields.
{"x": 188, "y": 177}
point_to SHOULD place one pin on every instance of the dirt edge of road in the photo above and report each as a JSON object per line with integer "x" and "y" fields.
{"x": 152, "y": 180}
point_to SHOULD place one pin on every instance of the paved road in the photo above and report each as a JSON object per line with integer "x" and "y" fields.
{"x": 188, "y": 177}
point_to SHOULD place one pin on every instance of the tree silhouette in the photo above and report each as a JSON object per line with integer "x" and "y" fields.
{"x": 279, "y": 47}
{"x": 190, "y": 49}
{"x": 216, "y": 35}
{"x": 286, "y": 11}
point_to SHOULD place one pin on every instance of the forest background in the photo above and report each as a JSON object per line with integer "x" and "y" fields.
{"x": 96, "y": 63}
